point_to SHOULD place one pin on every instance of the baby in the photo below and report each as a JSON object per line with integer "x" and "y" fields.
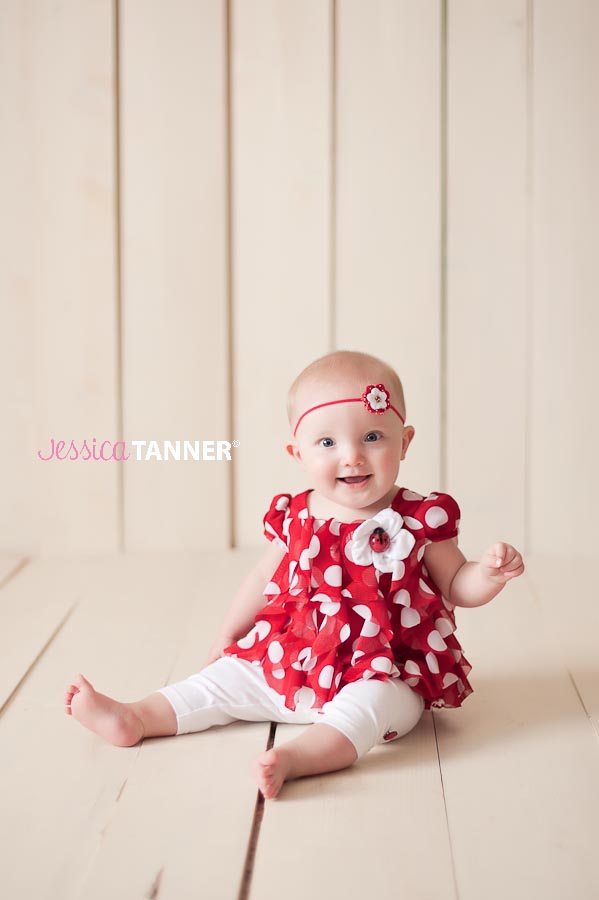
{"x": 346, "y": 622}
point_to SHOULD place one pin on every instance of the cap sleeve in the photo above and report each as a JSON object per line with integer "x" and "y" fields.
{"x": 276, "y": 521}
{"x": 440, "y": 516}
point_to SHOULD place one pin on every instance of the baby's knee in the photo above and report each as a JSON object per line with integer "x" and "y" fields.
{"x": 372, "y": 711}
{"x": 388, "y": 709}
{"x": 401, "y": 709}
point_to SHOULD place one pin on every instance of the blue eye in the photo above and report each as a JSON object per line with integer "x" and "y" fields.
{"x": 322, "y": 444}
{"x": 375, "y": 434}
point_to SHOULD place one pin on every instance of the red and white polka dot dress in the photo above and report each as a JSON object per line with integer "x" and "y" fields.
{"x": 346, "y": 603}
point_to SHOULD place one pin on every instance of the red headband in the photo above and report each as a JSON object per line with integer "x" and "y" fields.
{"x": 375, "y": 398}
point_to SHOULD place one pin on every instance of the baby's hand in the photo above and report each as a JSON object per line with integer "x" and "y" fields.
{"x": 502, "y": 562}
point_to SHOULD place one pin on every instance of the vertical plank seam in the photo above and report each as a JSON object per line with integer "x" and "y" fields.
{"x": 229, "y": 275}
{"x": 333, "y": 177}
{"x": 529, "y": 273}
{"x": 248, "y": 866}
{"x": 451, "y": 855}
{"x": 120, "y": 524}
{"x": 443, "y": 467}
{"x": 443, "y": 340}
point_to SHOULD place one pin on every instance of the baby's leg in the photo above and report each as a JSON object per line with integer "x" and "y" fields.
{"x": 320, "y": 748}
{"x": 372, "y": 711}
{"x": 122, "y": 724}
{"x": 223, "y": 692}
{"x": 363, "y": 713}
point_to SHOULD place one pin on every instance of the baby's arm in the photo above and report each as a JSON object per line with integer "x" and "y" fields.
{"x": 250, "y": 597}
{"x": 467, "y": 583}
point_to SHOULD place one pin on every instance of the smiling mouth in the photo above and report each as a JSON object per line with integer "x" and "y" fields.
{"x": 355, "y": 479}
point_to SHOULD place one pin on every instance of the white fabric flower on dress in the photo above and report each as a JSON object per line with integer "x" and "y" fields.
{"x": 401, "y": 541}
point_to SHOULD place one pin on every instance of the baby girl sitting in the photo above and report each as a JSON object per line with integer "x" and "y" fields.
{"x": 347, "y": 620}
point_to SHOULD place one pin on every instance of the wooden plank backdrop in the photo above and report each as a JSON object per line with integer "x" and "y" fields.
{"x": 389, "y": 204}
{"x": 201, "y": 197}
{"x": 175, "y": 379}
{"x": 281, "y": 96}
{"x": 563, "y": 375}
{"x": 59, "y": 354}
{"x": 486, "y": 310}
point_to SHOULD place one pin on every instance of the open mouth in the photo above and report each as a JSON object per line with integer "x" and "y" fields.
{"x": 355, "y": 479}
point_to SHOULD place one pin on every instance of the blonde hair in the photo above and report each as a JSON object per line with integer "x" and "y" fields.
{"x": 329, "y": 368}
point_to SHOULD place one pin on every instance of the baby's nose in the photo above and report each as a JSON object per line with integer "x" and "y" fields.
{"x": 353, "y": 456}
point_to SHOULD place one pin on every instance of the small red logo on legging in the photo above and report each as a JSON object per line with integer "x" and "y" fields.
{"x": 390, "y": 735}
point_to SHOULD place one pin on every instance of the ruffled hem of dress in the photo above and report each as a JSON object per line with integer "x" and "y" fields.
{"x": 440, "y": 690}
{"x": 303, "y": 648}
{"x": 307, "y": 662}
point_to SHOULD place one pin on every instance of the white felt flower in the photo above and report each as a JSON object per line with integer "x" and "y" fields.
{"x": 401, "y": 541}
{"x": 376, "y": 397}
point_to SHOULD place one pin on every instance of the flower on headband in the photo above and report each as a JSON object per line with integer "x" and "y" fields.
{"x": 396, "y": 540}
{"x": 376, "y": 398}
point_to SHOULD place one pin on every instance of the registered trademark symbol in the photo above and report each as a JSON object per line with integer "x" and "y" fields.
{"x": 236, "y": 443}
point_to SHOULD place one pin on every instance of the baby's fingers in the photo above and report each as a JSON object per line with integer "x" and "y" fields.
{"x": 504, "y": 561}
{"x": 515, "y": 567}
{"x": 496, "y": 555}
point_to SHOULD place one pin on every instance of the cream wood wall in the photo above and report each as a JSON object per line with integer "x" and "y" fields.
{"x": 199, "y": 197}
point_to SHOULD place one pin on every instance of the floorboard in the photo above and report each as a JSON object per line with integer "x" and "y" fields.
{"x": 499, "y": 798}
{"x": 520, "y": 763}
{"x": 171, "y": 813}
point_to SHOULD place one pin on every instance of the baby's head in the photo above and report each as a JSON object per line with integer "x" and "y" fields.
{"x": 336, "y": 440}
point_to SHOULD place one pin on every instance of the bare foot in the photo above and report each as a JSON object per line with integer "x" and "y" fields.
{"x": 115, "y": 722}
{"x": 271, "y": 769}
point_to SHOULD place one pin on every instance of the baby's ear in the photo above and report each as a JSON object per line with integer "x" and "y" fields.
{"x": 293, "y": 451}
{"x": 410, "y": 431}
{"x": 408, "y": 436}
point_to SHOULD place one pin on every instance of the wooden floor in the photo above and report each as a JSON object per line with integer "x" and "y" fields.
{"x": 498, "y": 799}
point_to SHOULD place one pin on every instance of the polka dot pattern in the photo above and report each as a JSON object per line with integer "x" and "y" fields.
{"x": 328, "y": 620}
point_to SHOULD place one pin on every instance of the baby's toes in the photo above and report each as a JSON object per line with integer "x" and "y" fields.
{"x": 268, "y": 774}
{"x": 68, "y": 696}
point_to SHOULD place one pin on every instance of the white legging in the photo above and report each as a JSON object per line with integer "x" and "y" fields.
{"x": 367, "y": 712}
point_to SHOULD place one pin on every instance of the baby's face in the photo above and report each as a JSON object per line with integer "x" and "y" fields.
{"x": 351, "y": 455}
